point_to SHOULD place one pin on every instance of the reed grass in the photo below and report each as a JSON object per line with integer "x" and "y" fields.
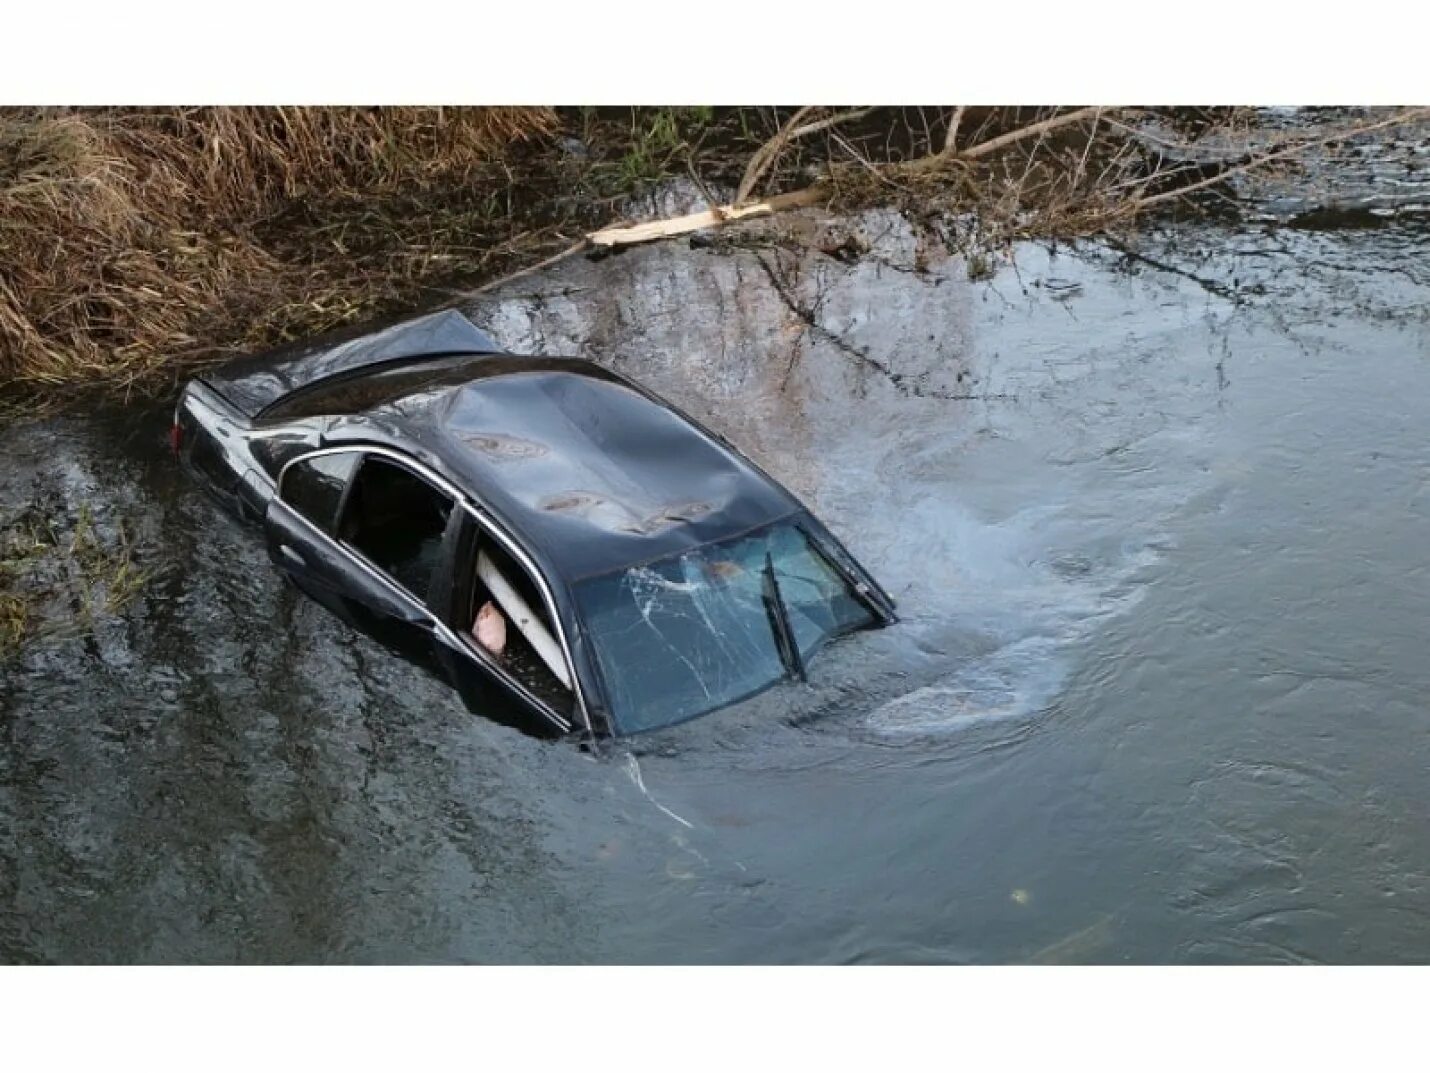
{"x": 134, "y": 243}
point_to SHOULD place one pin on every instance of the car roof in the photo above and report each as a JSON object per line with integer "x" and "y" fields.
{"x": 592, "y": 472}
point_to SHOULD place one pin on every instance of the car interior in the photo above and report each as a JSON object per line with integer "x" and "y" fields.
{"x": 532, "y": 653}
{"x": 397, "y": 520}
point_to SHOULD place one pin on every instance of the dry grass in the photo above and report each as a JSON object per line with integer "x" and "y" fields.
{"x": 134, "y": 242}
{"x": 24, "y": 548}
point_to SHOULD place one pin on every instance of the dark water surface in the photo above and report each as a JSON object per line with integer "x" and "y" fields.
{"x": 1159, "y": 537}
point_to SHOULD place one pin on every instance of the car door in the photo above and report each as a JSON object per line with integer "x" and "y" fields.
{"x": 342, "y": 549}
{"x": 510, "y": 687}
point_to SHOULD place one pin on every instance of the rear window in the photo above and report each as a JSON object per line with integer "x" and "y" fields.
{"x": 356, "y": 393}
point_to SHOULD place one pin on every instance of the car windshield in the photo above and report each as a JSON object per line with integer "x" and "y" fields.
{"x": 683, "y": 636}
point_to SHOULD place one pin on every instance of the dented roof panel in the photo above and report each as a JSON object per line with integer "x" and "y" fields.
{"x": 587, "y": 468}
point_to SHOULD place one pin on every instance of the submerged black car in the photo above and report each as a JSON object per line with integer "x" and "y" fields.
{"x": 648, "y": 573}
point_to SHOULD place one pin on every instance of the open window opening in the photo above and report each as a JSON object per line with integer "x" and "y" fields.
{"x": 314, "y": 486}
{"x": 532, "y": 652}
{"x": 397, "y": 520}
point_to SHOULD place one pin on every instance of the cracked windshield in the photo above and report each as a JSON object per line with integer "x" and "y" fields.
{"x": 686, "y": 635}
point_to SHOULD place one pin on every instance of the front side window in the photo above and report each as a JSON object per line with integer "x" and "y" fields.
{"x": 314, "y": 487}
{"x": 510, "y": 619}
{"x": 683, "y": 636}
{"x": 396, "y": 519}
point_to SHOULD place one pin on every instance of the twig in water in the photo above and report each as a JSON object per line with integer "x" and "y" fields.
{"x": 570, "y": 251}
{"x": 1287, "y": 149}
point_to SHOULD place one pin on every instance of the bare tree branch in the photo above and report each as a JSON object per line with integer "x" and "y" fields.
{"x": 766, "y": 156}
{"x": 825, "y": 124}
{"x": 698, "y": 221}
{"x": 758, "y": 162}
{"x": 952, "y": 135}
{"x": 1030, "y": 131}
{"x": 1287, "y": 148}
{"x": 1010, "y": 184}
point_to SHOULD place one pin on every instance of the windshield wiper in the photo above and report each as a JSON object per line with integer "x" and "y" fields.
{"x": 779, "y": 622}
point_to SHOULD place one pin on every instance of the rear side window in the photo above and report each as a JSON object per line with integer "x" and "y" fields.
{"x": 314, "y": 487}
{"x": 397, "y": 520}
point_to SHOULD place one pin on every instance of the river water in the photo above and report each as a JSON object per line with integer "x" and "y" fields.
{"x": 1156, "y": 520}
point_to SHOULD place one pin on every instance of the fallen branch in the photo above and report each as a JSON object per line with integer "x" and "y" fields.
{"x": 635, "y": 234}
{"x": 569, "y": 251}
{"x": 629, "y": 235}
{"x": 759, "y": 160}
{"x": 1032, "y": 130}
